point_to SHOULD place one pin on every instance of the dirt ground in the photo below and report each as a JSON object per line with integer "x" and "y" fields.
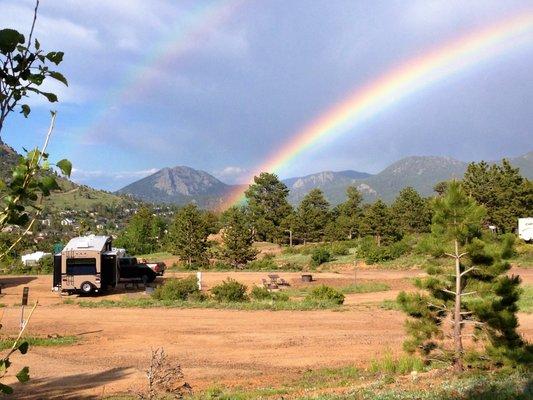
{"x": 245, "y": 348}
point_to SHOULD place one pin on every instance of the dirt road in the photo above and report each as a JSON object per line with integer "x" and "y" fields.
{"x": 253, "y": 348}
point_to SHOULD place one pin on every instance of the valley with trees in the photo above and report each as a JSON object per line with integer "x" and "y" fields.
{"x": 415, "y": 282}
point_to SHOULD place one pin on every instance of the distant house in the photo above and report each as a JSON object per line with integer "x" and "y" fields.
{"x": 46, "y": 222}
{"x": 33, "y": 258}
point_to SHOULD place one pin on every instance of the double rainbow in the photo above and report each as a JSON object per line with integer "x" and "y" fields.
{"x": 398, "y": 83}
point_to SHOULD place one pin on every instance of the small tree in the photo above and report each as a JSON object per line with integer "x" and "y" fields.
{"x": 188, "y": 235}
{"x": 475, "y": 290}
{"x": 237, "y": 237}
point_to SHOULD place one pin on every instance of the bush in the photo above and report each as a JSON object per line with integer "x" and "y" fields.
{"x": 46, "y": 265}
{"x": 264, "y": 264}
{"x": 177, "y": 289}
{"x": 339, "y": 248}
{"x": 430, "y": 245}
{"x": 320, "y": 256}
{"x": 260, "y": 293}
{"x": 230, "y": 290}
{"x": 325, "y": 293}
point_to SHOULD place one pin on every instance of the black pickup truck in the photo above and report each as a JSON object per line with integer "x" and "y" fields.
{"x": 131, "y": 270}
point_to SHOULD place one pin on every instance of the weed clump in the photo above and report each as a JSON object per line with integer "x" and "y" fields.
{"x": 230, "y": 291}
{"x": 325, "y": 293}
{"x": 178, "y": 289}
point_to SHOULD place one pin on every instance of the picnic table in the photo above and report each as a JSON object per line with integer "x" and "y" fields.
{"x": 275, "y": 281}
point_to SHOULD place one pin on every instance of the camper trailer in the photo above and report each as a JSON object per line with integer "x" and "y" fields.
{"x": 87, "y": 264}
{"x": 525, "y": 229}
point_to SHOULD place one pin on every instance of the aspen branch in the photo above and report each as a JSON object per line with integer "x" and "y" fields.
{"x": 449, "y": 291}
{"x": 467, "y": 293}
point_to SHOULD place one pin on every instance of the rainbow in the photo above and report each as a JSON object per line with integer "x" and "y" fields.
{"x": 198, "y": 22}
{"x": 398, "y": 83}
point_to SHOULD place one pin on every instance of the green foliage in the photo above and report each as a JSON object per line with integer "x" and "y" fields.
{"x": 264, "y": 264}
{"x": 508, "y": 241}
{"x": 379, "y": 223}
{"x": 320, "y": 256}
{"x": 525, "y": 304}
{"x": 187, "y": 236}
{"x": 401, "y": 365}
{"x": 373, "y": 254}
{"x": 237, "y": 237}
{"x": 348, "y": 223}
{"x": 267, "y": 200}
{"x": 411, "y": 212}
{"x": 25, "y": 67}
{"x": 501, "y": 189}
{"x": 142, "y": 233}
{"x": 491, "y": 303}
{"x": 230, "y": 290}
{"x": 323, "y": 293}
{"x": 261, "y": 294}
{"x": 6, "y": 343}
{"x": 312, "y": 216}
{"x": 178, "y": 289}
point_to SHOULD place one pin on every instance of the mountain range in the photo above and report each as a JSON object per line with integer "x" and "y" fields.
{"x": 181, "y": 185}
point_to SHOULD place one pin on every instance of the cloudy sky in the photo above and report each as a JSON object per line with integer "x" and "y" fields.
{"x": 222, "y": 85}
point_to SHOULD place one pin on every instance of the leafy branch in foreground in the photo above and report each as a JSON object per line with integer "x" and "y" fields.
{"x": 24, "y": 374}
{"x": 23, "y": 69}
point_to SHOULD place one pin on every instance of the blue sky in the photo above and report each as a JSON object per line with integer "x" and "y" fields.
{"x": 242, "y": 85}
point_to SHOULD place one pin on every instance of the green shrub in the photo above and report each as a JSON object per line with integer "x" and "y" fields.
{"x": 290, "y": 250}
{"x": 46, "y": 264}
{"x": 339, "y": 248}
{"x": 325, "y": 293}
{"x": 177, "y": 289}
{"x": 260, "y": 293}
{"x": 264, "y": 264}
{"x": 230, "y": 290}
{"x": 320, "y": 256}
{"x": 398, "y": 249}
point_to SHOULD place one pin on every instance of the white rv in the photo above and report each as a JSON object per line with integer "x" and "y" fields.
{"x": 525, "y": 229}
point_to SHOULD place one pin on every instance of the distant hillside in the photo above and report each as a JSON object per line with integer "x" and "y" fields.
{"x": 179, "y": 185}
{"x": 333, "y": 184}
{"x": 420, "y": 172}
{"x": 72, "y": 196}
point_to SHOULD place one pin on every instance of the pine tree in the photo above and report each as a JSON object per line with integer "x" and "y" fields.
{"x": 267, "y": 199}
{"x": 378, "y": 223}
{"x": 474, "y": 290}
{"x": 188, "y": 235}
{"x": 312, "y": 216}
{"x": 237, "y": 237}
{"x": 350, "y": 214}
{"x": 411, "y": 212}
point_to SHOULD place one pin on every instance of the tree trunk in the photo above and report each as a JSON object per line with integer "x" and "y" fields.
{"x": 378, "y": 239}
{"x": 457, "y": 327}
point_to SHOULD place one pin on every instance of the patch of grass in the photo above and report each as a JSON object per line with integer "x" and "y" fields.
{"x": 365, "y": 287}
{"x": 526, "y": 299}
{"x": 401, "y": 365}
{"x": 6, "y": 343}
{"x": 156, "y": 256}
{"x": 390, "y": 305}
{"x": 272, "y": 305}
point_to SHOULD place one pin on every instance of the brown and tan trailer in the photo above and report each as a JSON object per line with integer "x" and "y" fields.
{"x": 87, "y": 264}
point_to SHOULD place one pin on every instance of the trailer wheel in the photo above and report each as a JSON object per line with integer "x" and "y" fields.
{"x": 87, "y": 287}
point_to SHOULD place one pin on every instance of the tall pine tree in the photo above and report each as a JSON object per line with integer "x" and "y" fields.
{"x": 267, "y": 199}
{"x": 411, "y": 212}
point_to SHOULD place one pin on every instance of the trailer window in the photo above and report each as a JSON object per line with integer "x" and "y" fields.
{"x": 81, "y": 266}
